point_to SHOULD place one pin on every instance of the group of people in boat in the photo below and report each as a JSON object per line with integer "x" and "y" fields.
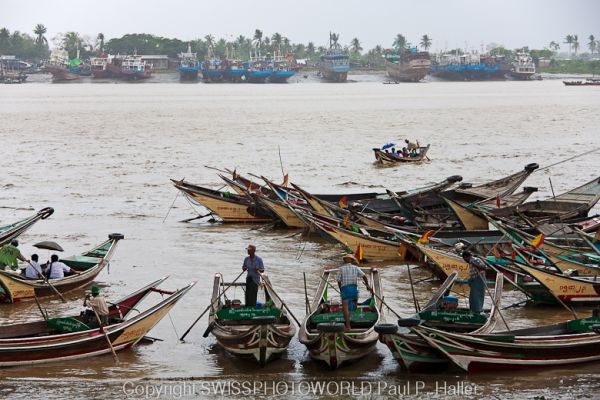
{"x": 10, "y": 255}
{"x": 409, "y": 150}
{"x": 349, "y": 274}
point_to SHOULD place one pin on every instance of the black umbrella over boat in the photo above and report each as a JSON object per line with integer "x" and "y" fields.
{"x": 48, "y": 245}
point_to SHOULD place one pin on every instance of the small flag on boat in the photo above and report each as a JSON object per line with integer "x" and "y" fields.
{"x": 285, "y": 180}
{"x": 234, "y": 174}
{"x": 497, "y": 254}
{"x": 325, "y": 292}
{"x": 596, "y": 236}
{"x": 538, "y": 241}
{"x": 425, "y": 237}
{"x": 402, "y": 250}
{"x": 346, "y": 221}
{"x": 358, "y": 254}
{"x": 343, "y": 203}
{"x": 497, "y": 200}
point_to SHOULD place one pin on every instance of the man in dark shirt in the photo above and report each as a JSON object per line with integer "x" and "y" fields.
{"x": 253, "y": 264}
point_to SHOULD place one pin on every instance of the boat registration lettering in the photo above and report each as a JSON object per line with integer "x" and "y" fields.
{"x": 572, "y": 289}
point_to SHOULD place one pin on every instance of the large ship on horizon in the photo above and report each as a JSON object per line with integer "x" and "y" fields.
{"x": 133, "y": 68}
{"x": 188, "y": 65}
{"x": 470, "y": 67}
{"x": 523, "y": 67}
{"x": 409, "y": 65}
{"x": 334, "y": 64}
{"x": 106, "y": 66}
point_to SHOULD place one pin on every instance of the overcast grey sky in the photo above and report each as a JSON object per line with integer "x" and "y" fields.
{"x": 451, "y": 23}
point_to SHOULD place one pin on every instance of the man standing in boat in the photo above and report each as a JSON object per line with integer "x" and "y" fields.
{"x": 254, "y": 265}
{"x": 9, "y": 254}
{"x": 347, "y": 279}
{"x": 476, "y": 281}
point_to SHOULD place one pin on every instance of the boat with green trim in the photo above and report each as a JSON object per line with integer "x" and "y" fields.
{"x": 16, "y": 287}
{"x": 70, "y": 338}
{"x": 260, "y": 333}
{"x": 415, "y": 354}
{"x": 12, "y": 231}
{"x": 323, "y": 331}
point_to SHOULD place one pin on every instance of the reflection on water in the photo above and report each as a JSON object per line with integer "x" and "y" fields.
{"x": 101, "y": 155}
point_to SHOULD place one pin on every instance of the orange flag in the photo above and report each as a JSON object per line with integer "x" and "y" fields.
{"x": 497, "y": 201}
{"x": 538, "y": 241}
{"x": 285, "y": 180}
{"x": 596, "y": 236}
{"x": 346, "y": 221}
{"x": 343, "y": 203}
{"x": 358, "y": 254}
{"x": 402, "y": 250}
{"x": 425, "y": 237}
{"x": 497, "y": 254}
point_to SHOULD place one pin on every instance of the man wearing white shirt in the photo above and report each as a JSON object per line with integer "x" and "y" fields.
{"x": 33, "y": 270}
{"x": 58, "y": 269}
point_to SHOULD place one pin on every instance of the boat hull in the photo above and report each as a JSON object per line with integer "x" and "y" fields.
{"x": 281, "y": 76}
{"x": 188, "y": 73}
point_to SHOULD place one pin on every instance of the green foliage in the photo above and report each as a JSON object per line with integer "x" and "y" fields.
{"x": 23, "y": 46}
{"x": 501, "y": 51}
{"x": 143, "y": 43}
{"x": 572, "y": 67}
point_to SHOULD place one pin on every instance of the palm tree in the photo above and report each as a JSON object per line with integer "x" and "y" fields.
{"x": 100, "y": 38}
{"x": 425, "y": 42}
{"x": 355, "y": 45}
{"x": 286, "y": 45}
{"x": 310, "y": 49}
{"x": 210, "y": 43}
{"x": 277, "y": 39}
{"x": 258, "y": 38}
{"x": 569, "y": 41}
{"x": 39, "y": 31}
{"x": 4, "y": 38}
{"x": 592, "y": 44}
{"x": 378, "y": 49}
{"x": 72, "y": 42}
{"x": 575, "y": 44}
{"x": 333, "y": 40}
{"x": 554, "y": 46}
{"x": 400, "y": 42}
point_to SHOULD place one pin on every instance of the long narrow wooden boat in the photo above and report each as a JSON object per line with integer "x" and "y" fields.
{"x": 16, "y": 287}
{"x": 415, "y": 354}
{"x": 575, "y": 203}
{"x": 258, "y": 333}
{"x": 65, "y": 339}
{"x": 323, "y": 331}
{"x": 229, "y": 207}
{"x": 387, "y": 159}
{"x": 12, "y": 231}
{"x": 374, "y": 248}
{"x": 570, "y": 342}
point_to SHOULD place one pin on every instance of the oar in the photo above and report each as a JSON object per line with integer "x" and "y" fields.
{"x": 306, "y": 295}
{"x": 209, "y": 307}
{"x": 40, "y": 307}
{"x": 112, "y": 349}
{"x": 198, "y": 217}
{"x": 495, "y": 301}
{"x": 587, "y": 240}
{"x": 412, "y": 288}
{"x": 275, "y": 293}
{"x": 48, "y": 282}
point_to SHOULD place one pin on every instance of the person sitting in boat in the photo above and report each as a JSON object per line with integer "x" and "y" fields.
{"x": 476, "y": 281}
{"x": 57, "y": 269}
{"x": 412, "y": 147}
{"x": 347, "y": 279}
{"x": 9, "y": 254}
{"x": 404, "y": 152}
{"x": 33, "y": 269}
{"x": 97, "y": 303}
{"x": 254, "y": 265}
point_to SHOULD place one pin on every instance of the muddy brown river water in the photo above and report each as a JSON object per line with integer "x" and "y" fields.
{"x": 101, "y": 155}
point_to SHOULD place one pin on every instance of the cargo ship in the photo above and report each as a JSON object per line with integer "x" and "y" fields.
{"x": 469, "y": 67}
{"x": 334, "y": 65}
{"x": 409, "y": 65}
{"x": 134, "y": 68}
{"x": 188, "y": 65}
{"x": 522, "y": 67}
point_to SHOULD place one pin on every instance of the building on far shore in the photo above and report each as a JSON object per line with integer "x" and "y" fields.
{"x": 543, "y": 63}
{"x": 159, "y": 62}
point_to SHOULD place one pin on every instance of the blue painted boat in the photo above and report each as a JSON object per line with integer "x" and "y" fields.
{"x": 334, "y": 65}
{"x": 235, "y": 71}
{"x": 282, "y": 70}
{"x": 470, "y": 67}
{"x": 212, "y": 70}
{"x": 188, "y": 65}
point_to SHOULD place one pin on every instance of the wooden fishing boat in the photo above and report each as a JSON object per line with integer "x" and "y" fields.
{"x": 374, "y": 248}
{"x": 570, "y": 342}
{"x": 258, "y": 333}
{"x": 16, "y": 287}
{"x": 12, "y": 231}
{"x": 575, "y": 203}
{"x": 386, "y": 159}
{"x": 415, "y": 354}
{"x": 323, "y": 331}
{"x": 62, "y": 339}
{"x": 229, "y": 207}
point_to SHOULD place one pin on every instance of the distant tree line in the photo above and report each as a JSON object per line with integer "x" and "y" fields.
{"x": 35, "y": 47}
